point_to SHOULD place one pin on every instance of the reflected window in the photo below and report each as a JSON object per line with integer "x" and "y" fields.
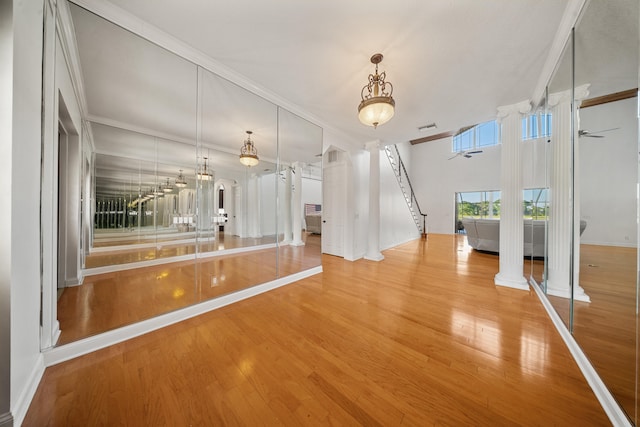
{"x": 537, "y": 125}
{"x": 536, "y": 203}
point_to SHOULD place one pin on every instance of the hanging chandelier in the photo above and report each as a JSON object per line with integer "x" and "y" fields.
{"x": 248, "y": 152}
{"x": 180, "y": 181}
{"x": 204, "y": 175}
{"x": 377, "y": 105}
{"x": 167, "y": 188}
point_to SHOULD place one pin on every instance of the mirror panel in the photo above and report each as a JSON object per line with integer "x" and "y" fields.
{"x": 558, "y": 105}
{"x": 242, "y": 232}
{"x": 606, "y": 175}
{"x": 169, "y": 215}
{"x": 299, "y": 193}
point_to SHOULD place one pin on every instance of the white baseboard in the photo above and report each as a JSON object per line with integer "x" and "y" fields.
{"x": 615, "y": 413}
{"x": 160, "y": 261}
{"x": 21, "y": 407}
{"x": 78, "y": 348}
{"x": 410, "y": 239}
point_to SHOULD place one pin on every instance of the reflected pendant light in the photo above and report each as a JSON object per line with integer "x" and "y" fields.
{"x": 248, "y": 152}
{"x": 180, "y": 181}
{"x": 204, "y": 175}
{"x": 377, "y": 105}
{"x": 168, "y": 188}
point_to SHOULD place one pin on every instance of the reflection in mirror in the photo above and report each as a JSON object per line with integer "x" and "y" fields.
{"x": 241, "y": 223}
{"x": 606, "y": 157}
{"x": 299, "y": 193}
{"x": 558, "y": 105}
{"x": 138, "y": 103}
{"x": 170, "y": 216}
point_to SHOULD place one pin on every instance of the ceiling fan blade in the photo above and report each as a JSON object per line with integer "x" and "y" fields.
{"x": 604, "y": 130}
{"x": 589, "y": 135}
{"x": 474, "y": 152}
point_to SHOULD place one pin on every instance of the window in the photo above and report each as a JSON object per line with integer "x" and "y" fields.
{"x": 536, "y": 125}
{"x": 486, "y": 205}
{"x": 482, "y": 135}
{"x": 536, "y": 203}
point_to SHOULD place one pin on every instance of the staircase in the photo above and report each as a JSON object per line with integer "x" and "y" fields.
{"x": 419, "y": 218}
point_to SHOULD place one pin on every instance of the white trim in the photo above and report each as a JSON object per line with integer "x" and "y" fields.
{"x": 24, "y": 400}
{"x": 160, "y": 261}
{"x": 97, "y": 342}
{"x": 615, "y": 413}
{"x": 569, "y": 19}
{"x": 394, "y": 245}
{"x": 502, "y": 280}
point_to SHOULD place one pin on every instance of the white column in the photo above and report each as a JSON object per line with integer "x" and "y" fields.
{"x": 564, "y": 209}
{"x": 254, "y": 206}
{"x": 373, "y": 243}
{"x": 297, "y": 205}
{"x": 511, "y": 221}
{"x": 286, "y": 208}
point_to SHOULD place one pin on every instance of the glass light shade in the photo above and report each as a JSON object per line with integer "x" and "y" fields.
{"x": 376, "y": 110}
{"x": 204, "y": 176}
{"x": 248, "y": 152}
{"x": 249, "y": 160}
{"x": 180, "y": 181}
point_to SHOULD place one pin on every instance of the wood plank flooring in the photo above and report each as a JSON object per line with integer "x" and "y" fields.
{"x": 423, "y": 337}
{"x": 605, "y": 328}
{"x": 167, "y": 249}
{"x": 111, "y": 300}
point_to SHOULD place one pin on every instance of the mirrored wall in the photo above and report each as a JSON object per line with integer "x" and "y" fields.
{"x": 590, "y": 271}
{"x": 161, "y": 212}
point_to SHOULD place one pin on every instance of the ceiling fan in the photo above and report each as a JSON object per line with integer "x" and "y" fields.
{"x": 596, "y": 134}
{"x": 467, "y": 154}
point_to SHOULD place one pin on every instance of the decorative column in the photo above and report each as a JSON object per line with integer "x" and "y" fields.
{"x": 297, "y": 205}
{"x": 511, "y": 221}
{"x": 373, "y": 243}
{"x": 286, "y": 207}
{"x": 254, "y": 206}
{"x": 564, "y": 210}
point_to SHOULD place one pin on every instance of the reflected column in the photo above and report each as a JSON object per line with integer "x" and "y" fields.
{"x": 254, "y": 206}
{"x": 286, "y": 211}
{"x": 564, "y": 207}
{"x": 297, "y": 205}
{"x": 511, "y": 221}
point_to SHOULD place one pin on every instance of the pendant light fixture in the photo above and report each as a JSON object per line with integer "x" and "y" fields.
{"x": 377, "y": 105}
{"x": 204, "y": 175}
{"x": 248, "y": 152}
{"x": 168, "y": 188}
{"x": 180, "y": 181}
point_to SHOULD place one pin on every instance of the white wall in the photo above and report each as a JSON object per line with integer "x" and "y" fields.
{"x": 6, "y": 143}
{"x": 396, "y": 223}
{"x": 24, "y": 220}
{"x": 436, "y": 179}
{"x": 608, "y": 174}
{"x": 268, "y": 200}
{"x": 311, "y": 193}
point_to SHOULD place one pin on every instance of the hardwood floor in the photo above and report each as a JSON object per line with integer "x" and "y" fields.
{"x": 423, "y": 337}
{"x": 605, "y": 328}
{"x": 167, "y": 249}
{"x": 111, "y": 300}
